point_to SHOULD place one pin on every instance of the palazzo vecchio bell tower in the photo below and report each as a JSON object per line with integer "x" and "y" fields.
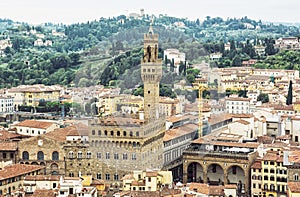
{"x": 151, "y": 72}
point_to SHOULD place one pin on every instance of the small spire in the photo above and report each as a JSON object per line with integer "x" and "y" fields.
{"x": 150, "y": 28}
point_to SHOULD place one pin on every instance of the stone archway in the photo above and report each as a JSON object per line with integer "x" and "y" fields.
{"x": 215, "y": 174}
{"x": 235, "y": 174}
{"x": 195, "y": 173}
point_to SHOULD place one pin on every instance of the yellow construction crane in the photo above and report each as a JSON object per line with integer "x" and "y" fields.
{"x": 200, "y": 88}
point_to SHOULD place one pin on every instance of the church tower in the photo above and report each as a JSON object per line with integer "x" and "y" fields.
{"x": 151, "y": 72}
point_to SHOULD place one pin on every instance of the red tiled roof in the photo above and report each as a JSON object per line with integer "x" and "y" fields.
{"x": 8, "y": 146}
{"x": 273, "y": 156}
{"x": 217, "y": 118}
{"x": 177, "y": 118}
{"x": 17, "y": 170}
{"x": 34, "y": 124}
{"x": 151, "y": 174}
{"x": 256, "y": 164}
{"x": 179, "y": 131}
{"x": 244, "y": 122}
{"x": 44, "y": 193}
{"x": 61, "y": 133}
{"x": 42, "y": 178}
{"x": 294, "y": 187}
{"x": 5, "y": 135}
{"x": 216, "y": 190}
{"x": 199, "y": 187}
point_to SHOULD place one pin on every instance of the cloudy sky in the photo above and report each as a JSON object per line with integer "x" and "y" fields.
{"x": 72, "y": 11}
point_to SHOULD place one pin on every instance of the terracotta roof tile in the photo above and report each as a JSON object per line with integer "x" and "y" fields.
{"x": 8, "y": 146}
{"x": 17, "y": 170}
{"x": 42, "y": 178}
{"x": 179, "y": 131}
{"x": 216, "y": 190}
{"x": 6, "y": 135}
{"x": 34, "y": 124}
{"x": 199, "y": 187}
{"x": 294, "y": 187}
{"x": 244, "y": 122}
{"x": 61, "y": 133}
{"x": 44, "y": 193}
{"x": 294, "y": 156}
{"x": 217, "y": 118}
{"x": 151, "y": 174}
{"x": 256, "y": 164}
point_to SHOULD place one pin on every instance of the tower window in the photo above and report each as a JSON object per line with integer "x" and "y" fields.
{"x": 148, "y": 105}
{"x": 148, "y": 92}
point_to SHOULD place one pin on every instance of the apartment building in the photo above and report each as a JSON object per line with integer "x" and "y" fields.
{"x": 6, "y": 104}
{"x": 32, "y": 95}
{"x": 237, "y": 105}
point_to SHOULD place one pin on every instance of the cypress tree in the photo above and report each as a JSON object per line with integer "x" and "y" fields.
{"x": 289, "y": 99}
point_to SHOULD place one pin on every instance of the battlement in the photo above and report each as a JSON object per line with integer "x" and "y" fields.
{"x": 150, "y": 38}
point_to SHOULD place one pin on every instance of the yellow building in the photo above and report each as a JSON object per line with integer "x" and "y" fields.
{"x": 169, "y": 107}
{"x": 146, "y": 180}
{"x": 131, "y": 104}
{"x": 272, "y": 181}
{"x": 32, "y": 95}
{"x": 107, "y": 104}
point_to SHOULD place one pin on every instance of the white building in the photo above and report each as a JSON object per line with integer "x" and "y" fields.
{"x": 215, "y": 56}
{"x": 32, "y": 183}
{"x": 34, "y": 127}
{"x": 6, "y": 104}
{"x": 73, "y": 186}
{"x": 237, "y": 105}
{"x": 176, "y": 55}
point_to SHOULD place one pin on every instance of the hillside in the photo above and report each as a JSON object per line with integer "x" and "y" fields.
{"x": 79, "y": 53}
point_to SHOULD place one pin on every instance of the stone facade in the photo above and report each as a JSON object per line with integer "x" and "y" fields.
{"x": 44, "y": 151}
{"x": 219, "y": 162}
{"x": 120, "y": 144}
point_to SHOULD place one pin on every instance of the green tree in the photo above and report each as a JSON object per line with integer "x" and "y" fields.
{"x": 289, "y": 99}
{"x": 264, "y": 98}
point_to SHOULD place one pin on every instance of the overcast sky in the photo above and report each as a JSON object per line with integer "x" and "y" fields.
{"x": 72, "y": 11}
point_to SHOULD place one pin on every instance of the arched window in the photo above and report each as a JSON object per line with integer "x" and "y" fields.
{"x": 71, "y": 154}
{"x": 296, "y": 177}
{"x": 88, "y": 155}
{"x": 25, "y": 155}
{"x": 55, "y": 156}
{"x": 79, "y": 155}
{"x": 40, "y": 155}
{"x": 124, "y": 133}
{"x": 112, "y": 133}
{"x": 93, "y": 132}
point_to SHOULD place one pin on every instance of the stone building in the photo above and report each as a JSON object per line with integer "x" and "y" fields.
{"x": 220, "y": 159}
{"x": 122, "y": 143}
{"x": 50, "y": 149}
